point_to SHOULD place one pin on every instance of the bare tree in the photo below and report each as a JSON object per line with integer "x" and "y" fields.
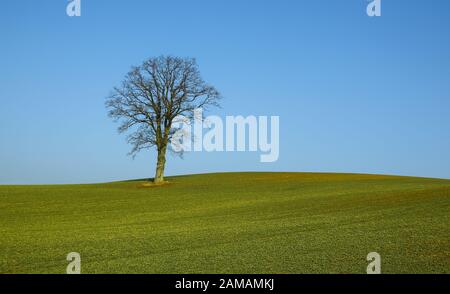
{"x": 152, "y": 96}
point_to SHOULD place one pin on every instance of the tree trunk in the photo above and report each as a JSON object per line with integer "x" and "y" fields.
{"x": 160, "y": 165}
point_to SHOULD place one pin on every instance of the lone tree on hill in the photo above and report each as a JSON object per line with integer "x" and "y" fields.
{"x": 151, "y": 96}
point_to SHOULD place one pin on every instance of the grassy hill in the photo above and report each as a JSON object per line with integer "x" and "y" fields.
{"x": 230, "y": 223}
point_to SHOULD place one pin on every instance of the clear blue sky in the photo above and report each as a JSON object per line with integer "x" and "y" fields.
{"x": 354, "y": 94}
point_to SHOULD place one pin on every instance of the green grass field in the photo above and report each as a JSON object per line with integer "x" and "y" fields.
{"x": 230, "y": 223}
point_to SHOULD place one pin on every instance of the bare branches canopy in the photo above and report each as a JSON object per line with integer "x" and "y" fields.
{"x": 152, "y": 95}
